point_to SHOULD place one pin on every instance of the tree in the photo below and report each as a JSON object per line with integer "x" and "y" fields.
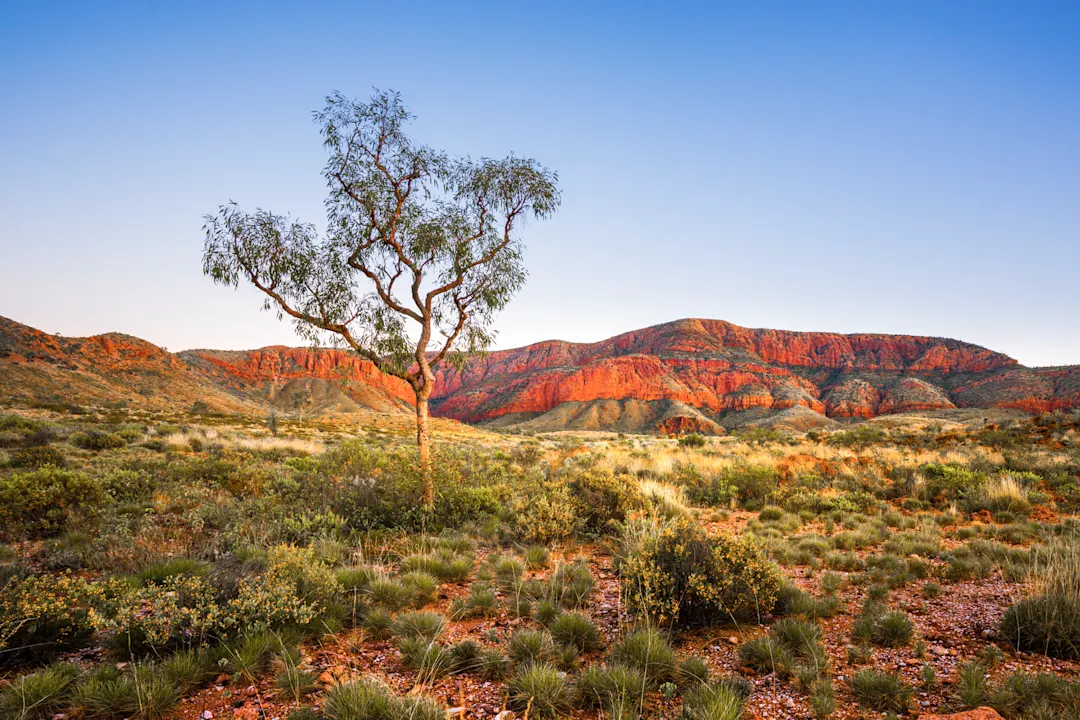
{"x": 417, "y": 243}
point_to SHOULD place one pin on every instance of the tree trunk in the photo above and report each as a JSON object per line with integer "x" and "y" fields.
{"x": 423, "y": 441}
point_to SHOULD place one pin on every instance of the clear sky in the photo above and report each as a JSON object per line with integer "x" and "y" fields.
{"x": 908, "y": 167}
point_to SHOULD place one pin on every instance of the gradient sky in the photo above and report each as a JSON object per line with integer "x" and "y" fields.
{"x": 906, "y": 167}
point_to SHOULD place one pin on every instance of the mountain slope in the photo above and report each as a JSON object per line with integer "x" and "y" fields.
{"x": 687, "y": 375}
{"x": 715, "y": 367}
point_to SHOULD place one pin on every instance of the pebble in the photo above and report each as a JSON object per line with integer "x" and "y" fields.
{"x": 207, "y": 715}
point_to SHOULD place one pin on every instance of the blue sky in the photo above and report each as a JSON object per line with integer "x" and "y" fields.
{"x": 909, "y": 167}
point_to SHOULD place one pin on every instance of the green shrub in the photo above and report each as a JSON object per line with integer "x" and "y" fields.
{"x": 40, "y": 695}
{"x": 35, "y": 457}
{"x": 692, "y": 440}
{"x": 41, "y": 615}
{"x": 159, "y": 572}
{"x": 480, "y": 602}
{"x": 528, "y": 647}
{"x": 716, "y": 701}
{"x": 369, "y": 699}
{"x": 546, "y": 514}
{"x": 880, "y": 626}
{"x": 96, "y": 440}
{"x": 602, "y": 500}
{"x": 420, "y": 586}
{"x": 46, "y": 501}
{"x": 429, "y": 659}
{"x": 766, "y": 655}
{"x": 1036, "y": 696}
{"x": 884, "y": 692}
{"x": 1049, "y": 622}
{"x": 537, "y": 557}
{"x": 542, "y": 689}
{"x": 616, "y": 689}
{"x": 142, "y": 692}
{"x": 426, "y": 625}
{"x": 692, "y": 671}
{"x": 650, "y": 652}
{"x": 676, "y": 573}
{"x": 575, "y": 630}
{"x": 971, "y": 685}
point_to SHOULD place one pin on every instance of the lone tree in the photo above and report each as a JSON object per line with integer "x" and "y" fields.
{"x": 421, "y": 248}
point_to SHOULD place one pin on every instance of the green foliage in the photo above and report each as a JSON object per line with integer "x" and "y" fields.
{"x": 546, "y": 515}
{"x": 602, "y": 500}
{"x": 766, "y": 655}
{"x": 575, "y": 630}
{"x": 40, "y": 695}
{"x": 44, "y": 502}
{"x": 716, "y": 701}
{"x": 677, "y": 573}
{"x": 615, "y": 689}
{"x": 880, "y": 626}
{"x": 96, "y": 440}
{"x": 650, "y": 652}
{"x": 426, "y": 625}
{"x": 860, "y": 436}
{"x": 142, "y": 692}
{"x": 44, "y": 614}
{"x": 542, "y": 689}
{"x": 884, "y": 692}
{"x": 368, "y": 699}
{"x": 971, "y": 685}
{"x": 692, "y": 440}
{"x": 528, "y": 647}
{"x": 693, "y": 671}
{"x": 35, "y": 457}
{"x": 1036, "y": 696}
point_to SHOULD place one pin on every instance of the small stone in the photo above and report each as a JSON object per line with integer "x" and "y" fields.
{"x": 789, "y": 704}
{"x": 506, "y": 715}
{"x": 457, "y": 712}
{"x": 939, "y": 651}
{"x": 207, "y": 715}
{"x": 733, "y": 640}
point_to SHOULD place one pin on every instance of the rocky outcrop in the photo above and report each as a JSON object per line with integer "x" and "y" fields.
{"x": 334, "y": 380}
{"x": 688, "y": 375}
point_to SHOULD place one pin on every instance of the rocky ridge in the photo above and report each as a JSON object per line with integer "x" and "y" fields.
{"x": 688, "y": 375}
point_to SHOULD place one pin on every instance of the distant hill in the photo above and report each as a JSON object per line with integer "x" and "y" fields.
{"x": 684, "y": 375}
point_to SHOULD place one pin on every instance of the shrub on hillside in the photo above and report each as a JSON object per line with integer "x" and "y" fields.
{"x": 96, "y": 440}
{"x": 1049, "y": 621}
{"x": 546, "y": 514}
{"x": 41, "y": 615}
{"x": 675, "y": 572}
{"x": 38, "y": 456}
{"x": 692, "y": 440}
{"x": 602, "y": 500}
{"x": 44, "y": 501}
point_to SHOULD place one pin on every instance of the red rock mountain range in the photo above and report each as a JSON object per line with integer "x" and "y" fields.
{"x": 683, "y": 375}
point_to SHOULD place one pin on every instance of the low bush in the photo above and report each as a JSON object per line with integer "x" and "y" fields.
{"x": 42, "y": 615}
{"x": 1049, "y": 622}
{"x": 542, "y": 690}
{"x": 40, "y": 695}
{"x": 676, "y": 573}
{"x": 716, "y": 701}
{"x": 39, "y": 456}
{"x": 884, "y": 692}
{"x": 46, "y": 501}
{"x": 575, "y": 630}
{"x": 369, "y": 699}
{"x": 96, "y": 440}
{"x": 602, "y": 500}
{"x": 650, "y": 652}
{"x": 612, "y": 688}
{"x": 529, "y": 647}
